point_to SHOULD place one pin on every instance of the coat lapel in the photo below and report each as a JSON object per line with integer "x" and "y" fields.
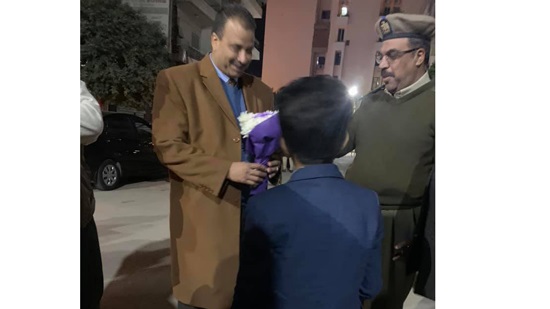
{"x": 248, "y": 93}
{"x": 212, "y": 82}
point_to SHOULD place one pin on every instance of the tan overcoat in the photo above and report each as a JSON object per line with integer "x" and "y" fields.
{"x": 196, "y": 136}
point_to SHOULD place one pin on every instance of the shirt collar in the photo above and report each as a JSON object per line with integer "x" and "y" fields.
{"x": 316, "y": 171}
{"x": 221, "y": 75}
{"x": 419, "y": 83}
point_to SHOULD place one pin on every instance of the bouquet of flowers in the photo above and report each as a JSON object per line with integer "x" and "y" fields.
{"x": 261, "y": 134}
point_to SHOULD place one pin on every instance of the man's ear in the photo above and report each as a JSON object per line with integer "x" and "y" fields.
{"x": 214, "y": 41}
{"x": 421, "y": 57}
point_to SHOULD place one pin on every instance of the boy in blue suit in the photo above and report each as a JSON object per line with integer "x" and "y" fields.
{"x": 313, "y": 242}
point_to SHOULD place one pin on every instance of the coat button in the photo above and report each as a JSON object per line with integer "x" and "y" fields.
{"x": 237, "y": 139}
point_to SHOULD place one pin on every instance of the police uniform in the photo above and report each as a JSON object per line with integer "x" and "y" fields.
{"x": 394, "y": 139}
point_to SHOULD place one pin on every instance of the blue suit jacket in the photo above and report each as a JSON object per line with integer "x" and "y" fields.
{"x": 313, "y": 242}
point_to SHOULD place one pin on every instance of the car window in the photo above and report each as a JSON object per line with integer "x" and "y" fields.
{"x": 143, "y": 129}
{"x": 119, "y": 125}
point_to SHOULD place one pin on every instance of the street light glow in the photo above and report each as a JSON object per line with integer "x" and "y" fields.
{"x": 353, "y": 91}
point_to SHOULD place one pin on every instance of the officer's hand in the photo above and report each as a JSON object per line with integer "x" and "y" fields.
{"x": 248, "y": 173}
{"x": 273, "y": 168}
{"x": 402, "y": 249}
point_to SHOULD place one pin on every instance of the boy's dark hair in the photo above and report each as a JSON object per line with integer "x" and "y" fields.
{"x": 233, "y": 11}
{"x": 314, "y": 113}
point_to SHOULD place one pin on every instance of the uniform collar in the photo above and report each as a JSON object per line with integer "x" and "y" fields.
{"x": 407, "y": 90}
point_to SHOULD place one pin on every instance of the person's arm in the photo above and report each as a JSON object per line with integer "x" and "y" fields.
{"x": 274, "y": 168}
{"x": 372, "y": 280}
{"x": 254, "y": 279}
{"x": 352, "y": 131}
{"x": 91, "y": 119}
{"x": 274, "y": 164}
{"x": 170, "y": 137}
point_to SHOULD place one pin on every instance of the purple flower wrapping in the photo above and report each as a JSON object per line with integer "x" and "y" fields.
{"x": 262, "y": 142}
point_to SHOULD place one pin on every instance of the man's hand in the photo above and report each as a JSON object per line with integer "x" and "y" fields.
{"x": 248, "y": 173}
{"x": 273, "y": 168}
{"x": 402, "y": 249}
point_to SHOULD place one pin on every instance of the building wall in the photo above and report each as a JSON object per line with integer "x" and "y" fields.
{"x": 414, "y": 6}
{"x": 325, "y": 4}
{"x": 206, "y": 33}
{"x": 288, "y": 41}
{"x": 186, "y": 26}
{"x": 358, "y": 63}
{"x": 155, "y": 11}
{"x": 290, "y": 52}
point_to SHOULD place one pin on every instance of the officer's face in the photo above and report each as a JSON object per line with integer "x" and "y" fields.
{"x": 400, "y": 65}
{"x": 232, "y": 52}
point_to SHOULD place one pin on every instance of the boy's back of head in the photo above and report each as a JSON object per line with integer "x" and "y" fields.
{"x": 314, "y": 113}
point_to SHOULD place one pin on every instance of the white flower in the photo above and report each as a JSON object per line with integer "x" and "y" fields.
{"x": 249, "y": 121}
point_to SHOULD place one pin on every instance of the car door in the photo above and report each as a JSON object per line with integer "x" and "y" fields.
{"x": 122, "y": 139}
{"x": 150, "y": 162}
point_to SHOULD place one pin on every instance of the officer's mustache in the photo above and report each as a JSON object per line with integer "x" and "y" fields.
{"x": 386, "y": 74}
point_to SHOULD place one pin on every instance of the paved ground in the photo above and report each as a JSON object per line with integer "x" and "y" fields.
{"x": 133, "y": 232}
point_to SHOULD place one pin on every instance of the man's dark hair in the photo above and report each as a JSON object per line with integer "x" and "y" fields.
{"x": 314, "y": 113}
{"x": 425, "y": 45}
{"x": 233, "y": 11}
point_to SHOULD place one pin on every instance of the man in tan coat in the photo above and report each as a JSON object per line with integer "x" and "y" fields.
{"x": 197, "y": 136}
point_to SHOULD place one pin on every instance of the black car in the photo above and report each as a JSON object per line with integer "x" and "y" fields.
{"x": 124, "y": 149}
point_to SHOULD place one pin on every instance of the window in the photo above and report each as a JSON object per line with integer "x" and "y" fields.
{"x": 390, "y": 7}
{"x": 340, "y": 35}
{"x": 119, "y": 125}
{"x": 320, "y": 62}
{"x": 344, "y": 10}
{"x": 325, "y": 14}
{"x": 143, "y": 129}
{"x": 337, "y": 57}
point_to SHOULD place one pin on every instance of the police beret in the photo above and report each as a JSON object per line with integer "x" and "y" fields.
{"x": 401, "y": 25}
